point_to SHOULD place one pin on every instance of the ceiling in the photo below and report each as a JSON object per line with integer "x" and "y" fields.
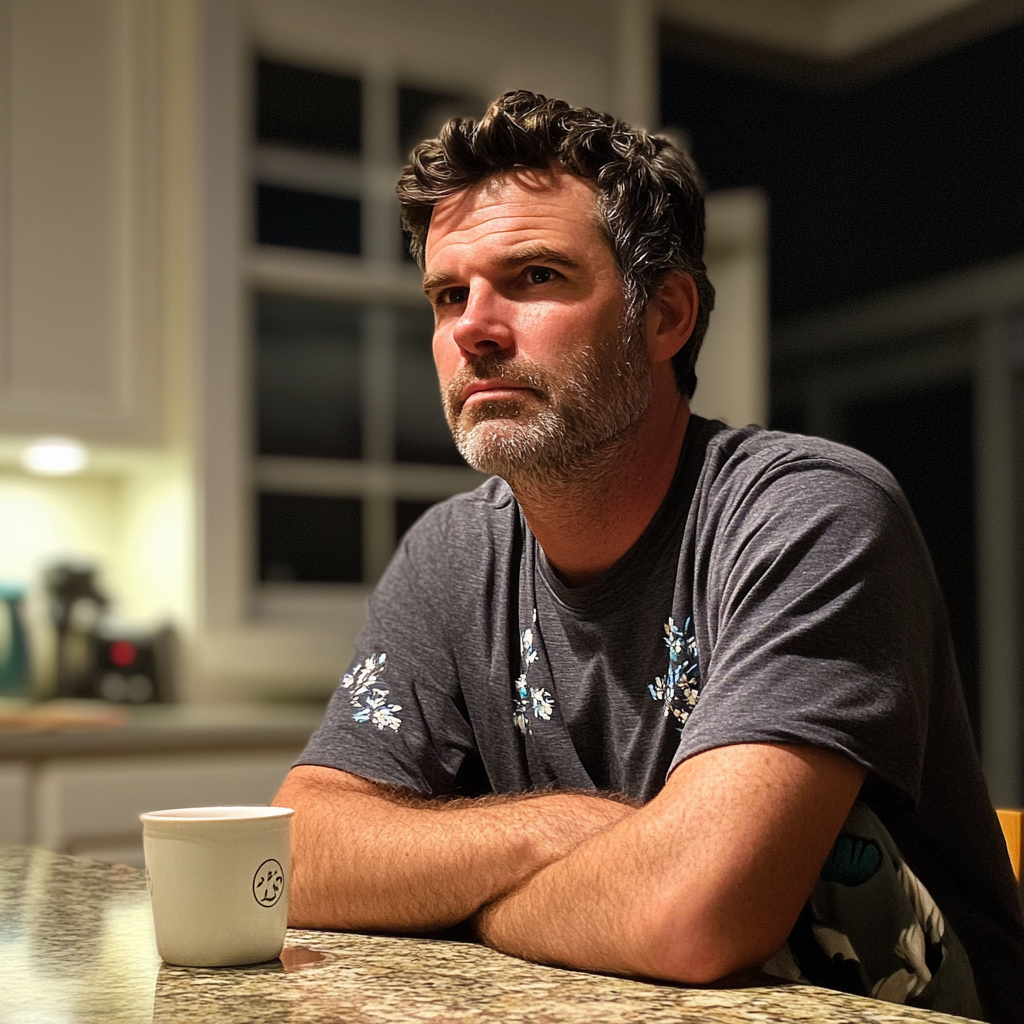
{"x": 828, "y": 43}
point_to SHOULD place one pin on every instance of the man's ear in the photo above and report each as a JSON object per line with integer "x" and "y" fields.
{"x": 671, "y": 315}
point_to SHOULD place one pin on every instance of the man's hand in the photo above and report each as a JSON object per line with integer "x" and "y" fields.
{"x": 706, "y": 879}
{"x": 365, "y": 858}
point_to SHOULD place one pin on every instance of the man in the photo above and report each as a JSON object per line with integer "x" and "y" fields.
{"x": 661, "y": 698}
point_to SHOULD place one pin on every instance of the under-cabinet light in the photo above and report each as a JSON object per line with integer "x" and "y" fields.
{"x": 55, "y": 456}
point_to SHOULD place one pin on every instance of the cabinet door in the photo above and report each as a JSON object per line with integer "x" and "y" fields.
{"x": 78, "y": 213}
{"x": 14, "y": 797}
{"x": 91, "y": 806}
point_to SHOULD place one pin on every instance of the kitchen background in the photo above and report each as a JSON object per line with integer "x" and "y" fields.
{"x": 204, "y": 286}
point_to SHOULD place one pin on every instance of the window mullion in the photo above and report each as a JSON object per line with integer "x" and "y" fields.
{"x": 381, "y": 236}
{"x": 380, "y": 245}
{"x": 378, "y": 390}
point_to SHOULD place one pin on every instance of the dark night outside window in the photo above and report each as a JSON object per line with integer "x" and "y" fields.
{"x": 308, "y": 108}
{"x": 406, "y": 513}
{"x": 308, "y": 220}
{"x": 351, "y": 440}
{"x": 310, "y": 539}
{"x": 308, "y": 365}
{"x": 422, "y": 434}
{"x": 421, "y": 112}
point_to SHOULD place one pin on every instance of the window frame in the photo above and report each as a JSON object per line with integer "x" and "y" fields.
{"x": 379, "y": 280}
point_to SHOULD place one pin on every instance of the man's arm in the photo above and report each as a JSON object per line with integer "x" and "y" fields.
{"x": 706, "y": 879}
{"x": 365, "y": 858}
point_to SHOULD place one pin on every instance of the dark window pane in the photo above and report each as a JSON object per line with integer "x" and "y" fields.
{"x": 406, "y": 513}
{"x": 926, "y": 439}
{"x": 308, "y": 108}
{"x": 421, "y": 112}
{"x": 308, "y": 220}
{"x": 310, "y": 539}
{"x": 308, "y": 364}
{"x": 421, "y": 433}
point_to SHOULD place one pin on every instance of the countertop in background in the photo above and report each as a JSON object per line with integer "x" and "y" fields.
{"x": 79, "y": 788}
{"x": 155, "y": 728}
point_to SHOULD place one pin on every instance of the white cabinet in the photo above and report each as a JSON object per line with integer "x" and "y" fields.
{"x": 79, "y": 136}
{"x": 14, "y": 802}
{"x": 91, "y": 806}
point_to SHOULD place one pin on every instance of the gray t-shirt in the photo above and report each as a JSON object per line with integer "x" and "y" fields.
{"x": 782, "y": 593}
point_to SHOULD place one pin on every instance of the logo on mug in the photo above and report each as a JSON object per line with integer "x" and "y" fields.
{"x": 268, "y": 883}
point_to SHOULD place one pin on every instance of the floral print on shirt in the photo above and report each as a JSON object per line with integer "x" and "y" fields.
{"x": 529, "y": 701}
{"x": 369, "y": 701}
{"x": 679, "y": 687}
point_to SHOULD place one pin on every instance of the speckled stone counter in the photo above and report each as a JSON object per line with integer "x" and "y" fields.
{"x": 76, "y": 946}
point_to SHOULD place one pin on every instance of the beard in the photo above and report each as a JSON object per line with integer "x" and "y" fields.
{"x": 571, "y": 421}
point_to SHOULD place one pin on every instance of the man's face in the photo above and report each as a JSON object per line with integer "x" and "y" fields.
{"x": 538, "y": 375}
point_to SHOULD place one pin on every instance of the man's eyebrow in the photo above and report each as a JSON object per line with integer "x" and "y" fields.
{"x": 435, "y": 280}
{"x": 538, "y": 253}
{"x": 517, "y": 258}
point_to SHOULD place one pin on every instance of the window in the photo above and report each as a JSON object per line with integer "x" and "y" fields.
{"x": 351, "y": 445}
{"x": 908, "y": 400}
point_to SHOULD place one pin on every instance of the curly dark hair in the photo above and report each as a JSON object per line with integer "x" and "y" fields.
{"x": 650, "y": 198}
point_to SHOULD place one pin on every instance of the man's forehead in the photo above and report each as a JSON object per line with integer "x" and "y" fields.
{"x": 521, "y": 197}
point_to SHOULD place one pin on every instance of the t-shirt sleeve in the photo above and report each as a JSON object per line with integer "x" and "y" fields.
{"x": 397, "y": 715}
{"x": 817, "y": 604}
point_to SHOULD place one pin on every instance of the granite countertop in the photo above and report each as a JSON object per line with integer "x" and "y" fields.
{"x": 154, "y": 728}
{"x": 76, "y": 945}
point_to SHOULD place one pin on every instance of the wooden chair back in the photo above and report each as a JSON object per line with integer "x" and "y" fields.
{"x": 1012, "y": 823}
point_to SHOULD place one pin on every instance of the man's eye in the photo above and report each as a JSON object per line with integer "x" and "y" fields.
{"x": 540, "y": 275}
{"x": 453, "y": 296}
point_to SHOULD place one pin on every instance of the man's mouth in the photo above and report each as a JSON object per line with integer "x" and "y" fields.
{"x": 493, "y": 391}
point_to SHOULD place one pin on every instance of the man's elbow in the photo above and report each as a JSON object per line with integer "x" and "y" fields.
{"x": 700, "y": 948}
{"x": 701, "y": 963}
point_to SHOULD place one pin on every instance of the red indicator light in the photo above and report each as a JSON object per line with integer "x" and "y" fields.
{"x": 122, "y": 653}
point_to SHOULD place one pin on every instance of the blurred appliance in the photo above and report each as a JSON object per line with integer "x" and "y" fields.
{"x": 132, "y": 667}
{"x": 98, "y": 659}
{"x": 76, "y": 606}
{"x": 15, "y": 670}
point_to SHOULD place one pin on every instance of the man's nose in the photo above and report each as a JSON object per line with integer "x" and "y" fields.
{"x": 484, "y": 325}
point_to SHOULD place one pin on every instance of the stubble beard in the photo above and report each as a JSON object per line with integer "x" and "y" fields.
{"x": 571, "y": 424}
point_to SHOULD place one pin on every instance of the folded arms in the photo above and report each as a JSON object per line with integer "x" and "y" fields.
{"x": 707, "y": 878}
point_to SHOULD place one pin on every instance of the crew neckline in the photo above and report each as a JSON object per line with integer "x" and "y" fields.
{"x": 667, "y": 521}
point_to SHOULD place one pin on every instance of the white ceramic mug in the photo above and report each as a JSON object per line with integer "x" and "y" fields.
{"x": 218, "y": 883}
